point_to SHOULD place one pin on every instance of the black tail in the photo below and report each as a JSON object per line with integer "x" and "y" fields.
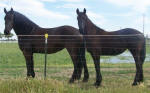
{"x": 143, "y": 51}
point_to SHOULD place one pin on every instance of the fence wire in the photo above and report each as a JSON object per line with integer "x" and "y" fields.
{"x": 60, "y": 65}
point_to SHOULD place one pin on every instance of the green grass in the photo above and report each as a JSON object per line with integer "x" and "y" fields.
{"x": 55, "y": 86}
{"x": 117, "y": 77}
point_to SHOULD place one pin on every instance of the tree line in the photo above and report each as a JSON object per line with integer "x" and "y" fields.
{"x": 8, "y": 37}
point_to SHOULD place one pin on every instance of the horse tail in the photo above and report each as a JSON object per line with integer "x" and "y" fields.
{"x": 143, "y": 51}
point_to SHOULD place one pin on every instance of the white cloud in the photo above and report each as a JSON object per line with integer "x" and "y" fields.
{"x": 121, "y": 2}
{"x": 136, "y": 5}
{"x": 34, "y": 7}
{"x": 138, "y": 23}
{"x": 3, "y": 5}
{"x": 127, "y": 14}
{"x": 73, "y": 6}
{"x": 49, "y": 0}
{"x": 72, "y": 0}
{"x": 97, "y": 19}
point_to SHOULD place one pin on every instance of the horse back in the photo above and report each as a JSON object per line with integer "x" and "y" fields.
{"x": 116, "y": 42}
{"x": 58, "y": 39}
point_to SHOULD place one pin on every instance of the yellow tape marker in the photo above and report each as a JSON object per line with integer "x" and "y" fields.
{"x": 46, "y": 35}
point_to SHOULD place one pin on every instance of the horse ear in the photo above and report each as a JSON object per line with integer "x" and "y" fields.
{"x": 12, "y": 9}
{"x": 77, "y": 11}
{"x": 84, "y": 11}
{"x": 5, "y": 10}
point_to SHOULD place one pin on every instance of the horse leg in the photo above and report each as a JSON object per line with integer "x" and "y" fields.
{"x": 142, "y": 58}
{"x": 86, "y": 73}
{"x": 29, "y": 63}
{"x": 77, "y": 64}
{"x": 83, "y": 60}
{"x": 139, "y": 66}
{"x": 96, "y": 59}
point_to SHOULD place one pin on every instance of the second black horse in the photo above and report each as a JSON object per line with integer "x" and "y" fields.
{"x": 103, "y": 43}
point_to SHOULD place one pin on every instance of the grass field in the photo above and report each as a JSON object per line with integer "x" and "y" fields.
{"x": 117, "y": 77}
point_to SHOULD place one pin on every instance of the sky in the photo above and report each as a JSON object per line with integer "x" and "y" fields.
{"x": 110, "y": 15}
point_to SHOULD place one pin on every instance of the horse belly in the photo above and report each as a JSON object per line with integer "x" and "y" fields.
{"x": 111, "y": 51}
{"x": 109, "y": 48}
{"x": 50, "y": 48}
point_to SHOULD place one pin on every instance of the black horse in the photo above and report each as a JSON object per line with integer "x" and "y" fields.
{"x": 100, "y": 42}
{"x": 31, "y": 40}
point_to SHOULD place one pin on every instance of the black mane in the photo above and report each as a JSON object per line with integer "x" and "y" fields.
{"x": 94, "y": 25}
{"x": 23, "y": 25}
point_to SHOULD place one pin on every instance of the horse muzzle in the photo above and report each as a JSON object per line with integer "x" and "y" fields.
{"x": 6, "y": 32}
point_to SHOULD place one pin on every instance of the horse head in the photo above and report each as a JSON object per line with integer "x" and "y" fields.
{"x": 82, "y": 19}
{"x": 9, "y": 17}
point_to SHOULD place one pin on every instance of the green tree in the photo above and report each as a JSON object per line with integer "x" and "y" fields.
{"x": 1, "y": 35}
{"x": 9, "y": 36}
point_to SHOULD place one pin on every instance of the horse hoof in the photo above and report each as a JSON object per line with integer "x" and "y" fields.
{"x": 96, "y": 84}
{"x": 85, "y": 80}
{"x": 71, "y": 81}
{"x": 78, "y": 77}
{"x": 29, "y": 77}
{"x": 134, "y": 83}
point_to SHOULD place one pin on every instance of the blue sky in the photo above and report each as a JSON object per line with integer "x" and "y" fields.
{"x": 108, "y": 14}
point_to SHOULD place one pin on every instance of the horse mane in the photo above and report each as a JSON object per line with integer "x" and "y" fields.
{"x": 23, "y": 25}
{"x": 95, "y": 26}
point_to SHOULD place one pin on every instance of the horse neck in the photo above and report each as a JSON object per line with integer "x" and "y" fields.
{"x": 92, "y": 29}
{"x": 23, "y": 26}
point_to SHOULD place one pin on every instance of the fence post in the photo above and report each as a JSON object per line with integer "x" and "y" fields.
{"x": 46, "y": 37}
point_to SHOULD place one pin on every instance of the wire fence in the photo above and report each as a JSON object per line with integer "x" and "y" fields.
{"x": 59, "y": 64}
